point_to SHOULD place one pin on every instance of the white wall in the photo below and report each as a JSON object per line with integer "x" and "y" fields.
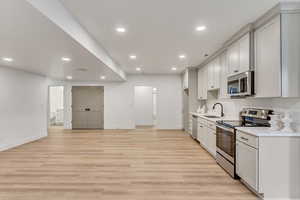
{"x": 119, "y": 101}
{"x": 23, "y": 107}
{"x": 143, "y": 106}
{"x": 232, "y": 107}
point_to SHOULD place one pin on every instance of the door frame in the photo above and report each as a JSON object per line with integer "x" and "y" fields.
{"x": 48, "y": 102}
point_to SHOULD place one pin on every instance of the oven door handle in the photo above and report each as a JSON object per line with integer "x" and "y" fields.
{"x": 226, "y": 129}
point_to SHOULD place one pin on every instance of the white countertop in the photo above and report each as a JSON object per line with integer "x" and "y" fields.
{"x": 266, "y": 132}
{"x": 211, "y": 119}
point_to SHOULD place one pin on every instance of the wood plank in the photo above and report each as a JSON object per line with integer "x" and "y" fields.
{"x": 115, "y": 164}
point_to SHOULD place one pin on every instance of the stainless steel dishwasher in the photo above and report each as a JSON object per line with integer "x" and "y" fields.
{"x": 195, "y": 126}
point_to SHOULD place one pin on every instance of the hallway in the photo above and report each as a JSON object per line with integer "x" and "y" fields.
{"x": 136, "y": 164}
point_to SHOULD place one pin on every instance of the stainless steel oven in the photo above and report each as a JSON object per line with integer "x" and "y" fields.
{"x": 241, "y": 84}
{"x": 226, "y": 149}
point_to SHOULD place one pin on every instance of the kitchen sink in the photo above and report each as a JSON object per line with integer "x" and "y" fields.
{"x": 211, "y": 116}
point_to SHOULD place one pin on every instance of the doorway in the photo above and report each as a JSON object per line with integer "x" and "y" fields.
{"x": 56, "y": 107}
{"x": 87, "y": 107}
{"x": 145, "y": 107}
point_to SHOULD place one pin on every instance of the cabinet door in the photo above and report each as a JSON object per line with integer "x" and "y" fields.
{"x": 211, "y": 71}
{"x": 244, "y": 53}
{"x": 204, "y": 82}
{"x": 211, "y": 141}
{"x": 186, "y": 80}
{"x": 204, "y": 138}
{"x": 268, "y": 60}
{"x": 234, "y": 58}
{"x": 200, "y": 96}
{"x": 223, "y": 76}
{"x": 200, "y": 132}
{"x": 247, "y": 164}
{"x": 217, "y": 69}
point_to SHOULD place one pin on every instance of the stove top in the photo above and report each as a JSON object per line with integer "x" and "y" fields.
{"x": 237, "y": 123}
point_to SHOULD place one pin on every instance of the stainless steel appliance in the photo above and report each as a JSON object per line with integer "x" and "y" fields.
{"x": 194, "y": 126}
{"x": 226, "y": 135}
{"x": 241, "y": 84}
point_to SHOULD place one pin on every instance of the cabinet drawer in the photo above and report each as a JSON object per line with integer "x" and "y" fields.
{"x": 201, "y": 121}
{"x": 211, "y": 125}
{"x": 247, "y": 139}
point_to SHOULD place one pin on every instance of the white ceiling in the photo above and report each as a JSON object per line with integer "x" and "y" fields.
{"x": 159, "y": 30}
{"x": 37, "y": 45}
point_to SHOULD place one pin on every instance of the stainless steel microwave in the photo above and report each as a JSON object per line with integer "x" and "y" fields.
{"x": 240, "y": 85}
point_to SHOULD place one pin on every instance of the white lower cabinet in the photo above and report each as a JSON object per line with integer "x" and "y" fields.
{"x": 269, "y": 164}
{"x": 200, "y": 136}
{"x": 211, "y": 141}
{"x": 207, "y": 136}
{"x": 247, "y": 164}
{"x": 190, "y": 124}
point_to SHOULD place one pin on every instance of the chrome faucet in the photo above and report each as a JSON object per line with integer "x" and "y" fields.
{"x": 222, "y": 109}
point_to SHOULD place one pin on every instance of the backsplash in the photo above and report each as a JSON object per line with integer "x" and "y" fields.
{"x": 232, "y": 107}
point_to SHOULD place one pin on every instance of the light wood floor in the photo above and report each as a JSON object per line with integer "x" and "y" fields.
{"x": 115, "y": 165}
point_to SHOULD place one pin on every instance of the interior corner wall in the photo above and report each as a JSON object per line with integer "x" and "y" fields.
{"x": 23, "y": 107}
{"x": 119, "y": 101}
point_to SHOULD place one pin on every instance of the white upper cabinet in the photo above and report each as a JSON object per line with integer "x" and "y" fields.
{"x": 217, "y": 70}
{"x": 202, "y": 83}
{"x": 199, "y": 84}
{"x": 204, "y": 78}
{"x": 244, "y": 53}
{"x": 210, "y": 80}
{"x": 239, "y": 56}
{"x": 223, "y": 76}
{"x": 268, "y": 60}
{"x": 185, "y": 81}
{"x": 214, "y": 74}
{"x": 234, "y": 58}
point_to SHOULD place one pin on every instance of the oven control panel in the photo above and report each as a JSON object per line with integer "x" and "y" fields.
{"x": 256, "y": 113}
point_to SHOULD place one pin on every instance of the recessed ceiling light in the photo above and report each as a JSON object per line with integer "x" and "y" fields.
{"x": 66, "y": 59}
{"x": 138, "y": 69}
{"x": 102, "y": 77}
{"x": 121, "y": 30}
{"x": 182, "y": 56}
{"x": 69, "y": 77}
{"x": 7, "y": 59}
{"x": 200, "y": 28}
{"x": 174, "y": 68}
{"x": 132, "y": 57}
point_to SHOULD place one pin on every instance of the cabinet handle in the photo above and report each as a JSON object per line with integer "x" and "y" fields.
{"x": 235, "y": 71}
{"x": 243, "y": 138}
{"x": 212, "y": 86}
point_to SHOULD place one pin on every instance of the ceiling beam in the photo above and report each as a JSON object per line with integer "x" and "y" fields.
{"x": 59, "y": 15}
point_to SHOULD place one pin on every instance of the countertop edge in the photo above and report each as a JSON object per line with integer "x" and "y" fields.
{"x": 265, "y": 133}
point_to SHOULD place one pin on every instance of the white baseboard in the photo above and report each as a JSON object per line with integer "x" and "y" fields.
{"x": 4, "y": 147}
